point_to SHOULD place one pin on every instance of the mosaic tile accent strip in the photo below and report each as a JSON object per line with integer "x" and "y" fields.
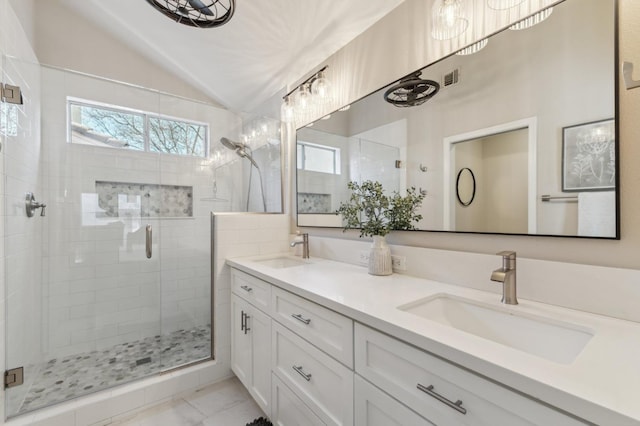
{"x": 144, "y": 200}
{"x": 314, "y": 203}
{"x": 65, "y": 378}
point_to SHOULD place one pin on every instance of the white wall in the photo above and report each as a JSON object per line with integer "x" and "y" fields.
{"x": 66, "y": 39}
{"x": 360, "y": 68}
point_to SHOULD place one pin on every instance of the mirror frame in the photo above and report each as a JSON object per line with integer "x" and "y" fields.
{"x": 616, "y": 117}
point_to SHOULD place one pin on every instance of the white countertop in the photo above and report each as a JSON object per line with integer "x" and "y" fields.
{"x": 601, "y": 385}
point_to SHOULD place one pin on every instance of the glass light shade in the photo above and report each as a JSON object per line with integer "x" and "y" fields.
{"x": 448, "y": 19}
{"x": 532, "y": 20}
{"x": 321, "y": 87}
{"x": 474, "y": 48}
{"x": 302, "y": 98}
{"x": 503, "y": 4}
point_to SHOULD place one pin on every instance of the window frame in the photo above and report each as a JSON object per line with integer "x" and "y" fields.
{"x": 337, "y": 166}
{"x": 146, "y": 115}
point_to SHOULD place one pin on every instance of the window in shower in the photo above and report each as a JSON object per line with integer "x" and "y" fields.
{"x": 117, "y": 127}
{"x": 318, "y": 158}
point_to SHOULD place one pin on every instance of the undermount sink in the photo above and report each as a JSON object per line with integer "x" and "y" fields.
{"x": 282, "y": 262}
{"x": 556, "y": 341}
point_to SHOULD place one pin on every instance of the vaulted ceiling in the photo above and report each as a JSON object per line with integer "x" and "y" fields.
{"x": 266, "y": 45}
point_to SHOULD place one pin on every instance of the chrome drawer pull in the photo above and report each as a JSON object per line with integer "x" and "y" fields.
{"x": 431, "y": 392}
{"x": 300, "y": 318}
{"x": 299, "y": 370}
{"x": 242, "y": 323}
{"x": 246, "y": 288}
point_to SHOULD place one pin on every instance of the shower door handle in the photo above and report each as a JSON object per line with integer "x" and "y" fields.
{"x": 149, "y": 242}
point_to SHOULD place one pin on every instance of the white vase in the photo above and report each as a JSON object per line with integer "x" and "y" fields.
{"x": 380, "y": 257}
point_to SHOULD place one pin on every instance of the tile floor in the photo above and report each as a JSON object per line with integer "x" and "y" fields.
{"x": 65, "y": 378}
{"x": 223, "y": 404}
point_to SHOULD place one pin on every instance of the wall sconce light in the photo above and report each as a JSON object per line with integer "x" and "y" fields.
{"x": 448, "y": 19}
{"x": 503, "y": 4}
{"x": 307, "y": 98}
{"x": 532, "y": 20}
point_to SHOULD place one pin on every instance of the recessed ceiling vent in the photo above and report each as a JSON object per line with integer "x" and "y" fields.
{"x": 411, "y": 91}
{"x": 451, "y": 78}
{"x": 196, "y": 13}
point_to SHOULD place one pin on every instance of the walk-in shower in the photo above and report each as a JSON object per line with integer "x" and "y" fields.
{"x": 87, "y": 307}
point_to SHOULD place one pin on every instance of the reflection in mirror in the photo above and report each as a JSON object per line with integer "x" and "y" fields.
{"x": 466, "y": 187}
{"x": 503, "y": 157}
{"x": 499, "y": 112}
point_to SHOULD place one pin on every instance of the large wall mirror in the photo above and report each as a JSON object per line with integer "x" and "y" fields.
{"x": 532, "y": 115}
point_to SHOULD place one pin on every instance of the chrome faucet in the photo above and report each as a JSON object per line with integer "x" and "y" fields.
{"x": 305, "y": 245}
{"x": 507, "y": 276}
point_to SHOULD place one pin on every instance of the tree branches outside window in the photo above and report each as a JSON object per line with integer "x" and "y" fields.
{"x": 138, "y": 131}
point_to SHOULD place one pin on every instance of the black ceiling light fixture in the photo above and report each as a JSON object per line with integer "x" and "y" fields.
{"x": 196, "y": 13}
{"x": 411, "y": 91}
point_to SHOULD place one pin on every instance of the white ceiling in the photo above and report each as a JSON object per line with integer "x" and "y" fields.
{"x": 265, "y": 46}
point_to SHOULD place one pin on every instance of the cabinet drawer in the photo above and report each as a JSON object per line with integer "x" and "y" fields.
{"x": 375, "y": 408}
{"x": 321, "y": 382}
{"x": 442, "y": 392}
{"x": 251, "y": 289}
{"x": 326, "y": 329}
{"x": 288, "y": 409}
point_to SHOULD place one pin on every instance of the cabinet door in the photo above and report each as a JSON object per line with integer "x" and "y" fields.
{"x": 240, "y": 341}
{"x": 288, "y": 409}
{"x": 259, "y": 326}
{"x": 375, "y": 408}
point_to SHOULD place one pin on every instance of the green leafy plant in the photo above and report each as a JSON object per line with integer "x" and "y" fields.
{"x": 375, "y": 213}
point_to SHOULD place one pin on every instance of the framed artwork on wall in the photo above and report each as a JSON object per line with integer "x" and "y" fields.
{"x": 589, "y": 157}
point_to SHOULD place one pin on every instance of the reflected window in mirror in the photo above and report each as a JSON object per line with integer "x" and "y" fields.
{"x": 318, "y": 158}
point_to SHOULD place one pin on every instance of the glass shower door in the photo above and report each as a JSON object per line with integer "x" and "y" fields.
{"x": 113, "y": 282}
{"x": 23, "y": 236}
{"x": 88, "y": 315}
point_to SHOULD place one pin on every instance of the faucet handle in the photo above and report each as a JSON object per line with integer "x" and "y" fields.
{"x": 508, "y": 259}
{"x": 511, "y": 255}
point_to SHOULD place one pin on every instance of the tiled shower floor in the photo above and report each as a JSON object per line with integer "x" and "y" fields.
{"x": 65, "y": 378}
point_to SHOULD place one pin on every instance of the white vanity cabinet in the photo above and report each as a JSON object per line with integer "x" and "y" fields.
{"x": 328, "y": 330}
{"x": 251, "y": 344}
{"x": 324, "y": 384}
{"x": 306, "y": 364}
{"x": 441, "y": 392}
{"x": 375, "y": 408}
{"x": 297, "y": 361}
{"x": 288, "y": 409}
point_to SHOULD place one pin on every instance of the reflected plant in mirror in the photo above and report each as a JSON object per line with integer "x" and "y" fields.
{"x": 507, "y": 112}
{"x": 375, "y": 213}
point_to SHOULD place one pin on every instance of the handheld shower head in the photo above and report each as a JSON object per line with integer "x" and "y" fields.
{"x": 244, "y": 151}
{"x": 239, "y": 148}
{"x": 232, "y": 145}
